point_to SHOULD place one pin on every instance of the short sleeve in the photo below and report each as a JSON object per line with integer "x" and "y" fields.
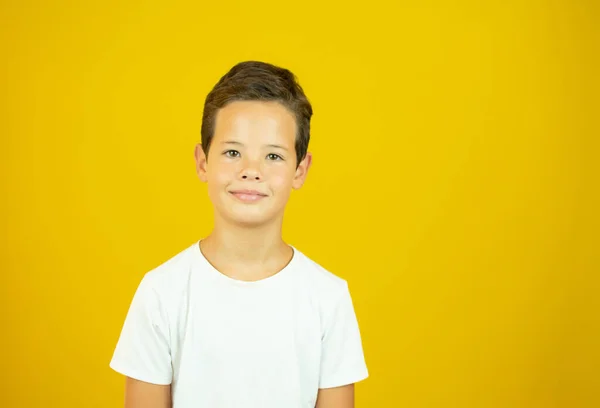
{"x": 142, "y": 351}
{"x": 342, "y": 357}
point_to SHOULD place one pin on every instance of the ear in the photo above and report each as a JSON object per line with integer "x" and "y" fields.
{"x": 302, "y": 171}
{"x": 201, "y": 159}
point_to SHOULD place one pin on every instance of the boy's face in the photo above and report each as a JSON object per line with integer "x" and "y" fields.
{"x": 251, "y": 167}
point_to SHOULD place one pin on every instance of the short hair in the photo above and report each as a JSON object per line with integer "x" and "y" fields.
{"x": 259, "y": 81}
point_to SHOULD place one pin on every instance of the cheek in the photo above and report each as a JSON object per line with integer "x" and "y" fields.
{"x": 281, "y": 180}
{"x": 220, "y": 173}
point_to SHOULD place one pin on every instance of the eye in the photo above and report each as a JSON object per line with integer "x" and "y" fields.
{"x": 273, "y": 156}
{"x": 232, "y": 153}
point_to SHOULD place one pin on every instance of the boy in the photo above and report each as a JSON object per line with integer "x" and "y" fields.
{"x": 240, "y": 318}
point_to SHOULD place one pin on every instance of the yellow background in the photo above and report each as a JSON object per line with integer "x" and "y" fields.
{"x": 455, "y": 185}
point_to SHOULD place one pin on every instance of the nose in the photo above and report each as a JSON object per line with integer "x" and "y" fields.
{"x": 250, "y": 171}
{"x": 250, "y": 176}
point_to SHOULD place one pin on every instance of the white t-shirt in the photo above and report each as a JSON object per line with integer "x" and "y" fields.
{"x": 222, "y": 342}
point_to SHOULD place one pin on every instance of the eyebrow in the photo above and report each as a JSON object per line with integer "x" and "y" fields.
{"x": 276, "y": 146}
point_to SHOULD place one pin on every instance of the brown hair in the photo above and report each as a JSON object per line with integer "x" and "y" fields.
{"x": 259, "y": 81}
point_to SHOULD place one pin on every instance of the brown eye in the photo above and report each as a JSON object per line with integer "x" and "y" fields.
{"x": 232, "y": 153}
{"x": 273, "y": 156}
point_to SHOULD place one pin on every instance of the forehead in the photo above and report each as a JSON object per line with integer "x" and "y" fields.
{"x": 255, "y": 121}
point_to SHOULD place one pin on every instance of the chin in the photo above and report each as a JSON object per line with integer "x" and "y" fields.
{"x": 243, "y": 215}
{"x": 250, "y": 221}
{"x": 250, "y": 218}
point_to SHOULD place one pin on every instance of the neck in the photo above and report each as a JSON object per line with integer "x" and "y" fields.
{"x": 245, "y": 244}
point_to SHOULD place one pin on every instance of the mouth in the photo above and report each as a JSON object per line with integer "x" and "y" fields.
{"x": 248, "y": 195}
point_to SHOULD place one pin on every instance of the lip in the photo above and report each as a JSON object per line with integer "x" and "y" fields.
{"x": 247, "y": 195}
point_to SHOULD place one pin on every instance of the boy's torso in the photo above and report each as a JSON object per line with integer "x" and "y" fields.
{"x": 251, "y": 344}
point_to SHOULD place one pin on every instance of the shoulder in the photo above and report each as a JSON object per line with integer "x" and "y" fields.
{"x": 169, "y": 278}
{"x": 326, "y": 285}
{"x": 338, "y": 322}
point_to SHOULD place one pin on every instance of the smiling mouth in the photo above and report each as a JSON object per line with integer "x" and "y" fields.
{"x": 248, "y": 196}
